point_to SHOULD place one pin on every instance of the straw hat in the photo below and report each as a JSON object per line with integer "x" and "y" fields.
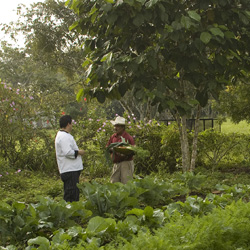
{"x": 118, "y": 121}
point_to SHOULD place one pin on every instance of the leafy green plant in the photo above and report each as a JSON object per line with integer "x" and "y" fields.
{"x": 148, "y": 217}
{"x": 159, "y": 191}
{"x": 214, "y": 147}
{"x": 221, "y": 229}
{"x": 20, "y": 222}
{"x": 110, "y": 199}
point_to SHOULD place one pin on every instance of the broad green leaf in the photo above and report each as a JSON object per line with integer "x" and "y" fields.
{"x": 244, "y": 19}
{"x": 186, "y": 22}
{"x": 19, "y": 206}
{"x": 39, "y": 241}
{"x": 135, "y": 211}
{"x": 176, "y": 25}
{"x": 5, "y": 208}
{"x": 109, "y": 1}
{"x": 205, "y": 37}
{"x": 74, "y": 231}
{"x": 112, "y": 18}
{"x": 194, "y": 15}
{"x": 248, "y": 13}
{"x": 130, "y": 2}
{"x": 79, "y": 95}
{"x": 229, "y": 34}
{"x": 100, "y": 225}
{"x": 106, "y": 7}
{"x": 193, "y": 102}
{"x": 138, "y": 20}
{"x": 222, "y": 60}
{"x": 173, "y": 84}
{"x": 93, "y": 17}
{"x": 217, "y": 32}
{"x": 171, "y": 104}
{"x": 19, "y": 221}
{"x": 150, "y": 3}
{"x": 148, "y": 211}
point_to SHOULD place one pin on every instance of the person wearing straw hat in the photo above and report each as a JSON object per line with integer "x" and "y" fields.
{"x": 123, "y": 165}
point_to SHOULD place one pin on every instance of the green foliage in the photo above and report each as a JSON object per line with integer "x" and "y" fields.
{"x": 148, "y": 137}
{"x": 110, "y": 199}
{"x": 184, "y": 220}
{"x": 117, "y": 61}
{"x": 149, "y": 217}
{"x": 228, "y": 126}
{"x": 25, "y": 184}
{"x": 221, "y": 229}
{"x": 23, "y": 143}
{"x": 234, "y": 102}
{"x": 216, "y": 148}
{"x": 20, "y": 222}
{"x": 92, "y": 135}
{"x": 114, "y": 199}
{"x": 171, "y": 148}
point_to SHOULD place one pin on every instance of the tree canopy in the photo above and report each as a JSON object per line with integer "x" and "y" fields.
{"x": 175, "y": 53}
{"x": 163, "y": 49}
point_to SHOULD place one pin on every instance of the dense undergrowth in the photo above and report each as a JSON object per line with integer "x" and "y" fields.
{"x": 160, "y": 209}
{"x": 175, "y": 212}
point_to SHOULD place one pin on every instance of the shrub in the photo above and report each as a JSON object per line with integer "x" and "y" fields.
{"x": 216, "y": 149}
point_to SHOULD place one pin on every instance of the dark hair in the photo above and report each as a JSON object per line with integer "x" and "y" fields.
{"x": 65, "y": 120}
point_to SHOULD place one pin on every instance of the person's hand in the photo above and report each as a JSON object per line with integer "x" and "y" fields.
{"x": 120, "y": 154}
{"x": 81, "y": 152}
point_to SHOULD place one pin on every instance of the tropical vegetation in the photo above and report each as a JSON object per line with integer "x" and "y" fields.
{"x": 162, "y": 64}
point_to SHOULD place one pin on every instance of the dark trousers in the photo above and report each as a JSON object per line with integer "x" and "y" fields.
{"x": 70, "y": 180}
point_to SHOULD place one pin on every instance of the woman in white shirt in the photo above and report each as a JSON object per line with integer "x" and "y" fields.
{"x": 69, "y": 159}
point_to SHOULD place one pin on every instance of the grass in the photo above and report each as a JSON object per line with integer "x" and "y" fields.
{"x": 230, "y": 127}
{"x": 27, "y": 185}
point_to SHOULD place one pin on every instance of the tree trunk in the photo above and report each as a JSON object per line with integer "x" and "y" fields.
{"x": 182, "y": 124}
{"x": 195, "y": 139}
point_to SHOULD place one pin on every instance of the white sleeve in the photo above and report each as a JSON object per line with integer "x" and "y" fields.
{"x": 69, "y": 147}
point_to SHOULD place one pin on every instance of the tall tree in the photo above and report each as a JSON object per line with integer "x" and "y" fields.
{"x": 176, "y": 52}
{"x": 50, "y": 48}
{"x": 50, "y": 61}
{"x": 235, "y": 102}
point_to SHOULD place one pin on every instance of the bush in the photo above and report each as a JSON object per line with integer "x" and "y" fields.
{"x": 216, "y": 149}
{"x": 23, "y": 143}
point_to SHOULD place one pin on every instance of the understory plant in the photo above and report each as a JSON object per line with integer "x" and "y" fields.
{"x": 123, "y": 216}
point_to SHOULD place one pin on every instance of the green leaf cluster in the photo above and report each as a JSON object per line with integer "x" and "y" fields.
{"x": 174, "y": 53}
{"x": 117, "y": 215}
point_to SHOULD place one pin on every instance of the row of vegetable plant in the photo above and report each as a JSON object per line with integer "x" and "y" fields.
{"x": 122, "y": 216}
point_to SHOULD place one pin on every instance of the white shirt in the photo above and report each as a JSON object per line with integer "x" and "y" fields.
{"x": 65, "y": 145}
